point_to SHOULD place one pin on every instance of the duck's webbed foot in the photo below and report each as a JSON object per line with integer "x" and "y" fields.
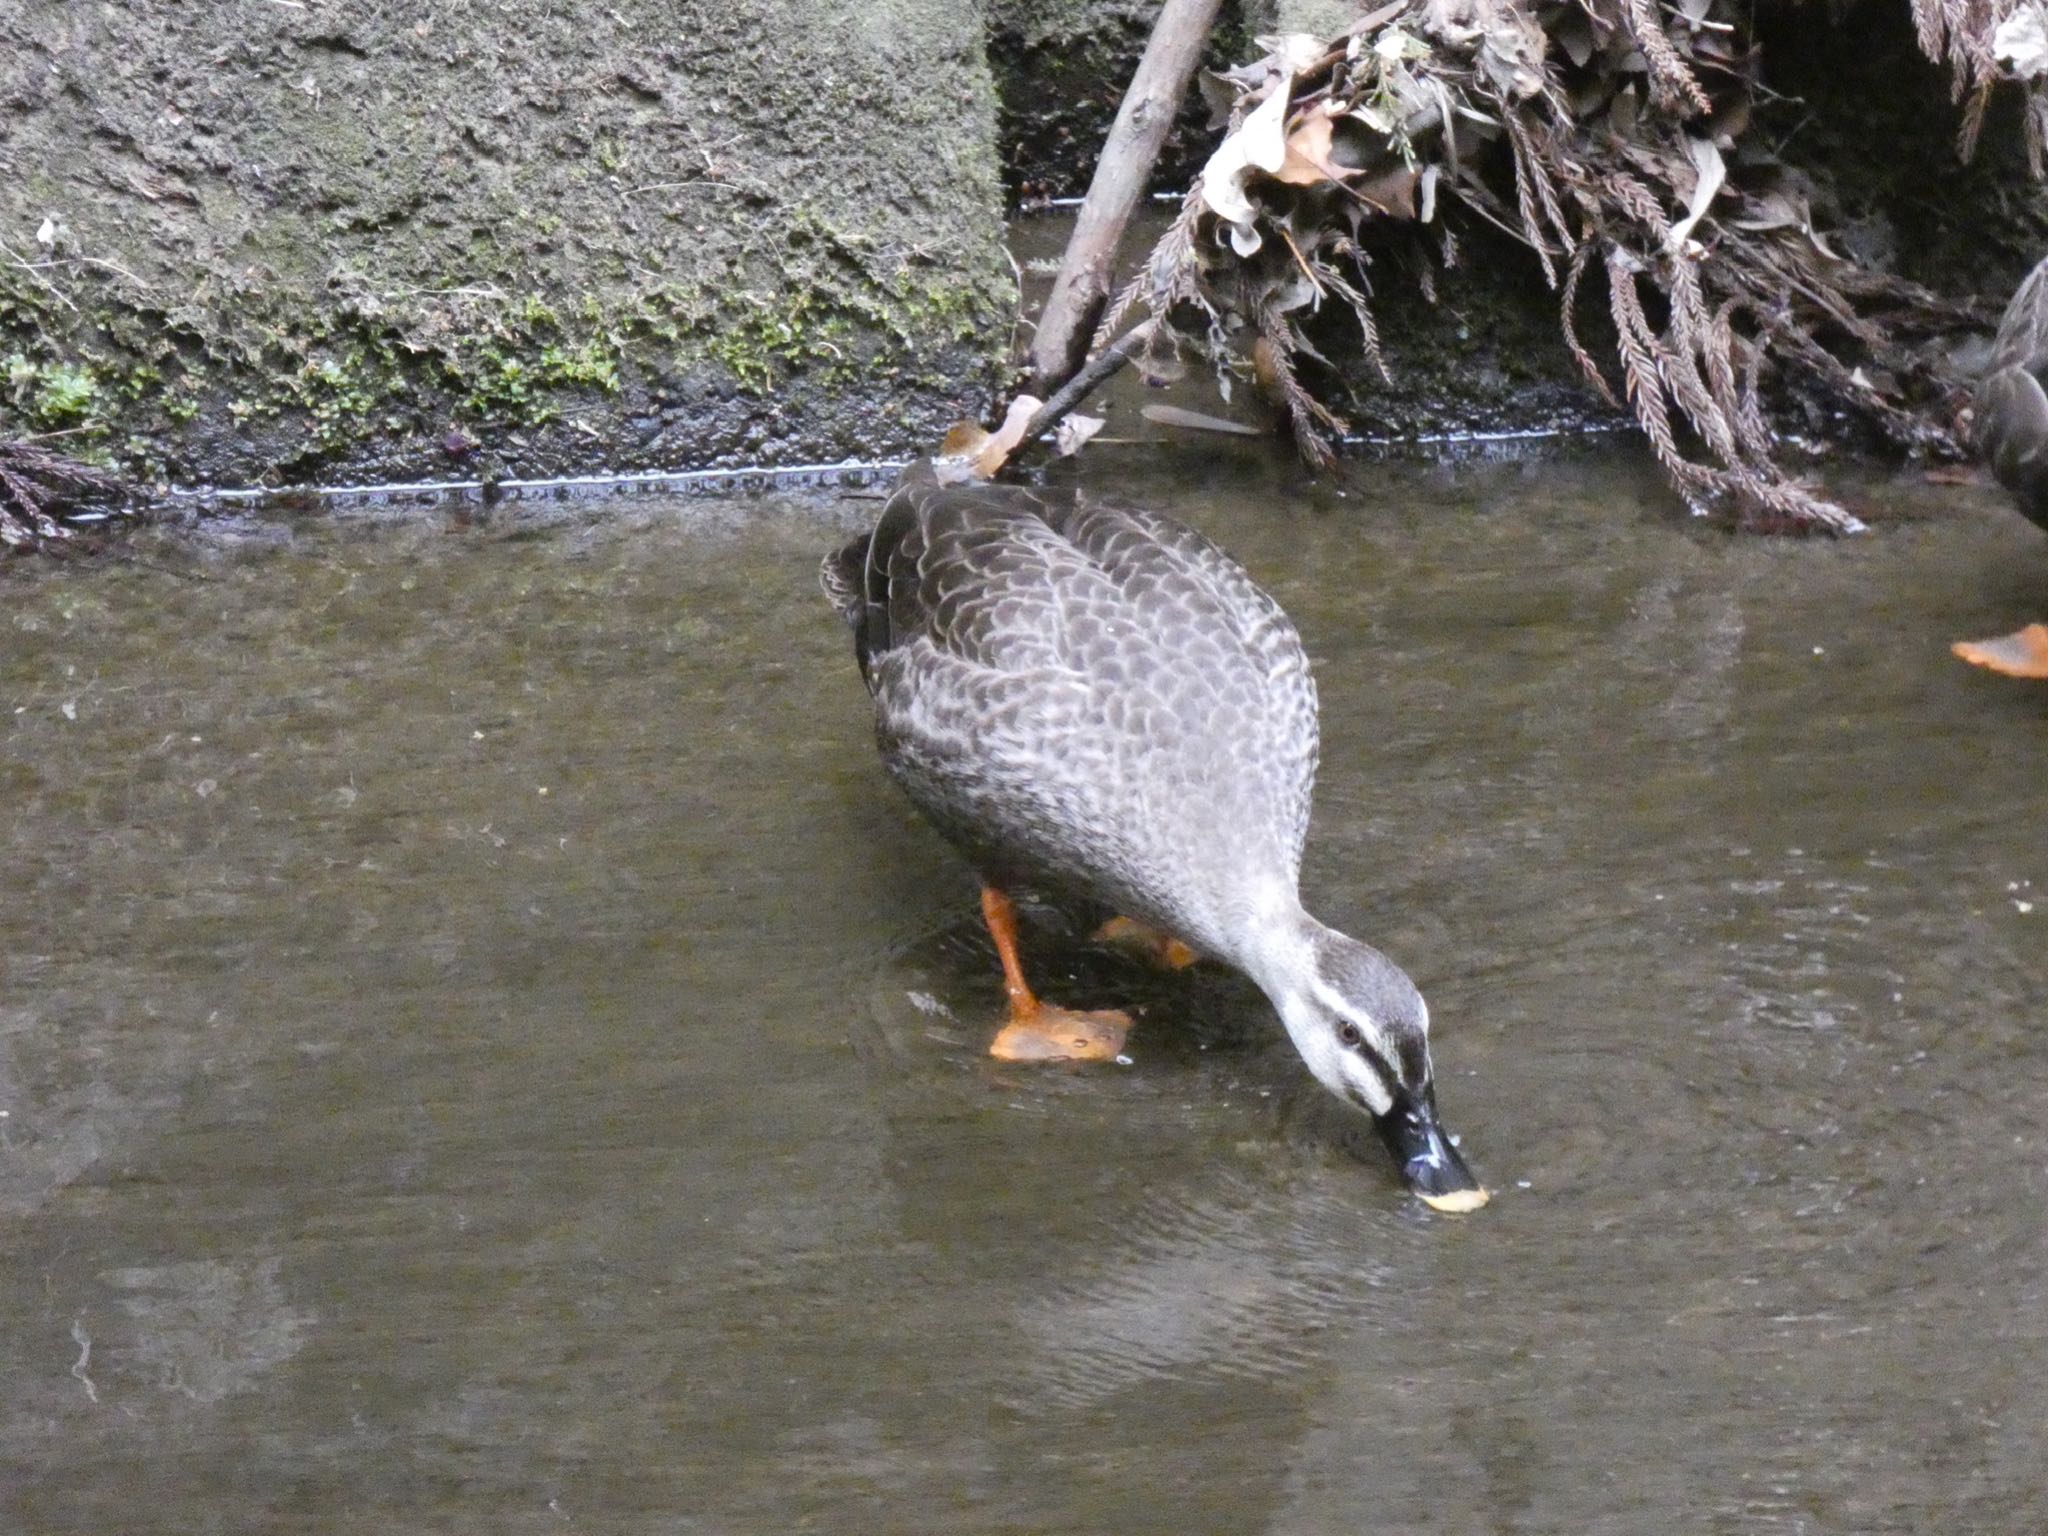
{"x": 1040, "y": 1031}
{"x": 1062, "y": 1034}
{"x": 2021, "y": 654}
{"x": 1160, "y": 949}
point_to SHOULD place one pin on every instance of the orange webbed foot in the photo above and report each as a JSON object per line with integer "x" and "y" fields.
{"x": 2021, "y": 654}
{"x": 1062, "y": 1034}
{"x": 1162, "y": 950}
{"x": 1038, "y": 1031}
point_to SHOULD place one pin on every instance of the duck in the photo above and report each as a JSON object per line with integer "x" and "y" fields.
{"x": 2010, "y": 432}
{"x": 1095, "y": 704}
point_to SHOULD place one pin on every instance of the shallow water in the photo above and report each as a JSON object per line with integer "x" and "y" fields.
{"x": 484, "y": 1049}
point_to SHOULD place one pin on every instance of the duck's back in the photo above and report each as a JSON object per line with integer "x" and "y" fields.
{"x": 1086, "y": 697}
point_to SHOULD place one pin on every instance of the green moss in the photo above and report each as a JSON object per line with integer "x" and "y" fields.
{"x": 803, "y": 304}
{"x": 64, "y": 395}
{"x": 590, "y": 364}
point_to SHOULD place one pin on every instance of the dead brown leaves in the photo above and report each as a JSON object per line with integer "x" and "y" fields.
{"x": 1602, "y": 137}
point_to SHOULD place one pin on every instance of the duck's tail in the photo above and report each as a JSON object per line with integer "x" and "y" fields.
{"x": 856, "y": 575}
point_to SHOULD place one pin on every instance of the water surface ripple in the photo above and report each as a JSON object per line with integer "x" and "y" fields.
{"x": 484, "y": 1049}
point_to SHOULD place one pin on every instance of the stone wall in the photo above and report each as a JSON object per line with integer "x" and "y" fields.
{"x": 303, "y": 240}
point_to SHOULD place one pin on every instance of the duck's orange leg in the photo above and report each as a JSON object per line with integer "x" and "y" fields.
{"x": 1038, "y": 1031}
{"x": 1162, "y": 949}
{"x": 2023, "y": 654}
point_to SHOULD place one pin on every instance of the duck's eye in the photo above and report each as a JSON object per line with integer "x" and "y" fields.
{"x": 1350, "y": 1034}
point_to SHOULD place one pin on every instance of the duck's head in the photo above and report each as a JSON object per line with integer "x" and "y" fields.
{"x": 1363, "y": 1029}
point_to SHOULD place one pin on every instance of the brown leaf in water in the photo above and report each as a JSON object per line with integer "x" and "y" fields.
{"x": 963, "y": 440}
{"x": 998, "y": 445}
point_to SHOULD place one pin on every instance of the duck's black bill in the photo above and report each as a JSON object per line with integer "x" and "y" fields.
{"x": 1429, "y": 1163}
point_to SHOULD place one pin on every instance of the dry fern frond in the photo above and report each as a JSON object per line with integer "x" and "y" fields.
{"x": 38, "y": 487}
{"x": 1705, "y": 308}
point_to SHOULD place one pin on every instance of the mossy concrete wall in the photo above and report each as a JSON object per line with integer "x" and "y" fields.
{"x": 305, "y": 238}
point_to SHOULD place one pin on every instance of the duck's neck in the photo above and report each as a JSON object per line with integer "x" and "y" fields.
{"x": 1280, "y": 949}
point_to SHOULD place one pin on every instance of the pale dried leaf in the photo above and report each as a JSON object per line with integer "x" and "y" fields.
{"x": 1218, "y": 95}
{"x": 1574, "y": 34}
{"x": 1199, "y": 421}
{"x": 995, "y": 452}
{"x": 1772, "y": 210}
{"x": 1394, "y": 45}
{"x": 2021, "y": 42}
{"x": 1260, "y": 144}
{"x": 1709, "y": 172}
{"x": 1621, "y": 117}
{"x": 1289, "y": 53}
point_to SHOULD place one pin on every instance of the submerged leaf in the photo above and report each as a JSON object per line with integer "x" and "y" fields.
{"x": 1180, "y": 416}
{"x": 1073, "y": 434}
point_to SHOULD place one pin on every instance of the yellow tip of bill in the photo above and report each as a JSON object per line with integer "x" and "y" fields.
{"x": 1457, "y": 1202}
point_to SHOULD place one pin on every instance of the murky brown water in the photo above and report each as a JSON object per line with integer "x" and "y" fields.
{"x": 484, "y": 1049}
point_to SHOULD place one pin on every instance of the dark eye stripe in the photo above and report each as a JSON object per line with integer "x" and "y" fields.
{"x": 1389, "y": 1080}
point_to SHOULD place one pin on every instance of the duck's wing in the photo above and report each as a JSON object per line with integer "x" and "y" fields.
{"x": 979, "y": 573}
{"x": 2012, "y": 435}
{"x": 1092, "y": 697}
{"x": 1187, "y": 585}
{"x": 2011, "y": 404}
{"x": 976, "y": 572}
{"x": 980, "y": 627}
{"x": 2022, "y": 340}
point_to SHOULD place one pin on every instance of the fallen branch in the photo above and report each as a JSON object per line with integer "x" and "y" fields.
{"x": 1099, "y": 368}
{"x": 1081, "y": 290}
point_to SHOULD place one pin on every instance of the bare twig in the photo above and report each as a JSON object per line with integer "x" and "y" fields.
{"x": 1102, "y": 366}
